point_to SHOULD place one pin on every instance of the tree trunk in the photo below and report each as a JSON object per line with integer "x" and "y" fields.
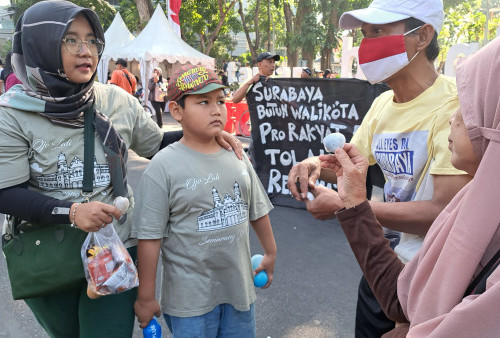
{"x": 145, "y": 10}
{"x": 222, "y": 17}
{"x": 330, "y": 43}
{"x": 308, "y": 55}
{"x": 253, "y": 47}
{"x": 202, "y": 41}
{"x": 302, "y": 8}
{"x": 269, "y": 19}
{"x": 291, "y": 51}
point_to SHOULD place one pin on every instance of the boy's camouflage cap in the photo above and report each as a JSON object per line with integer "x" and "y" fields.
{"x": 192, "y": 80}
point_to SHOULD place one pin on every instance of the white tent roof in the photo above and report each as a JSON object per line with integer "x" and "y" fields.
{"x": 117, "y": 35}
{"x": 158, "y": 41}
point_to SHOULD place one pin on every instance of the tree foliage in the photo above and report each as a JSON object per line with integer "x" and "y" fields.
{"x": 465, "y": 22}
{"x": 207, "y": 24}
{"x": 105, "y": 11}
{"x": 265, "y": 19}
{"x": 130, "y": 14}
{"x": 303, "y": 29}
{"x": 312, "y": 28}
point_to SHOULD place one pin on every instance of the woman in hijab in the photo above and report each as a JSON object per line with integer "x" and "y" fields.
{"x": 448, "y": 289}
{"x": 56, "y": 49}
{"x": 157, "y": 92}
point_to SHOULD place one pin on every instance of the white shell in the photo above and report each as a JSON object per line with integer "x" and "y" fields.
{"x": 122, "y": 203}
{"x": 334, "y": 141}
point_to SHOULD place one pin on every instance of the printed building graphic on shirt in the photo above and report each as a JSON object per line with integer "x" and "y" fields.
{"x": 227, "y": 213}
{"x": 68, "y": 177}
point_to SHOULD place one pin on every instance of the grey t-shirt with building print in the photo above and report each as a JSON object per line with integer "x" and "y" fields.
{"x": 200, "y": 205}
{"x": 51, "y": 156}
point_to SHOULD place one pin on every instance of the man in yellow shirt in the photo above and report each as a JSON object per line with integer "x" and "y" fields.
{"x": 405, "y": 132}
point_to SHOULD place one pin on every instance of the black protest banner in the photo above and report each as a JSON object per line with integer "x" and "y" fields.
{"x": 290, "y": 118}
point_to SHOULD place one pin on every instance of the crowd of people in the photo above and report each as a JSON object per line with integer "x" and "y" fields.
{"x": 428, "y": 252}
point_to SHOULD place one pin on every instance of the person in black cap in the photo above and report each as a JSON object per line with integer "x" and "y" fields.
{"x": 306, "y": 73}
{"x": 123, "y": 78}
{"x": 266, "y": 63}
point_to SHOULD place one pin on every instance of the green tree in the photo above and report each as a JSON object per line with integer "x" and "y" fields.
{"x": 308, "y": 32}
{"x": 302, "y": 31}
{"x": 105, "y": 11}
{"x": 130, "y": 13}
{"x": 466, "y": 23}
{"x": 204, "y": 22}
{"x": 330, "y": 30}
{"x": 250, "y": 23}
{"x": 264, "y": 18}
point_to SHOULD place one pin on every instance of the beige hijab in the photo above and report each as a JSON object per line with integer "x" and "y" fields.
{"x": 466, "y": 234}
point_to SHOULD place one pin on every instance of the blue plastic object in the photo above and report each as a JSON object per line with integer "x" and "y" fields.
{"x": 153, "y": 330}
{"x": 256, "y": 259}
{"x": 261, "y": 278}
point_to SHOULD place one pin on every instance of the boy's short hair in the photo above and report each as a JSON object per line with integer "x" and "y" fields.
{"x": 192, "y": 80}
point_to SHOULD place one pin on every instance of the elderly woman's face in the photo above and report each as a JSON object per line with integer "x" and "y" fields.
{"x": 462, "y": 153}
{"x": 79, "y": 68}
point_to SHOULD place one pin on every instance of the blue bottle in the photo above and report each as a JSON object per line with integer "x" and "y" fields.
{"x": 153, "y": 330}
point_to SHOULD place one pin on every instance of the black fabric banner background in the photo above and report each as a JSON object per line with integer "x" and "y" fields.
{"x": 290, "y": 118}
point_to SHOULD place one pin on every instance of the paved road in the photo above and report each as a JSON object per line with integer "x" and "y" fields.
{"x": 313, "y": 293}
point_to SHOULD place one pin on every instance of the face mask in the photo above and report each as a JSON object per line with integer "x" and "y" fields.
{"x": 380, "y": 58}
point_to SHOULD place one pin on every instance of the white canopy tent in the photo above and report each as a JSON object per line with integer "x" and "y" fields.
{"x": 157, "y": 43}
{"x": 117, "y": 35}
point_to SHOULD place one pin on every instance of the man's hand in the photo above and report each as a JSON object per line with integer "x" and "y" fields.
{"x": 145, "y": 309}
{"x": 327, "y": 161}
{"x": 256, "y": 78}
{"x": 326, "y": 202}
{"x": 306, "y": 173}
{"x": 351, "y": 168}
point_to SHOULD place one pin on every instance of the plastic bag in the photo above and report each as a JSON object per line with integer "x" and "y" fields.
{"x": 108, "y": 267}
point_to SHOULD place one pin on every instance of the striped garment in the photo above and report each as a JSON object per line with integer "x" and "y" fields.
{"x": 45, "y": 90}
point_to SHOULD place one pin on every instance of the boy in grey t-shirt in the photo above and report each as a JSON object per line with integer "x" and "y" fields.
{"x": 195, "y": 203}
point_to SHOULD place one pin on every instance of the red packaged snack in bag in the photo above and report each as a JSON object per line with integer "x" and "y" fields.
{"x": 100, "y": 266}
{"x": 108, "y": 266}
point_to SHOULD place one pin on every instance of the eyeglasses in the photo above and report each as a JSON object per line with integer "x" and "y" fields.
{"x": 75, "y": 46}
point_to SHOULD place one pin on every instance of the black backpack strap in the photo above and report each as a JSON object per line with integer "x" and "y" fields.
{"x": 128, "y": 79}
{"x": 478, "y": 285}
